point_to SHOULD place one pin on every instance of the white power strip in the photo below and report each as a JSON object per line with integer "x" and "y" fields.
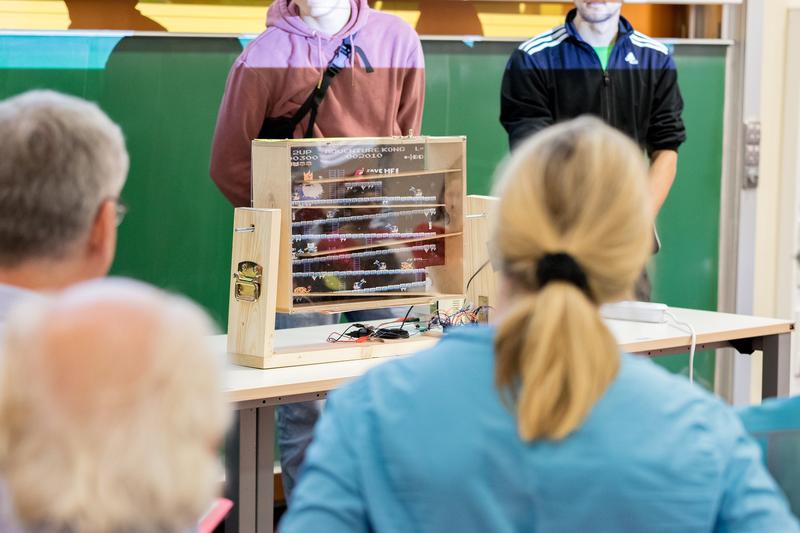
{"x": 650, "y": 312}
{"x": 635, "y": 311}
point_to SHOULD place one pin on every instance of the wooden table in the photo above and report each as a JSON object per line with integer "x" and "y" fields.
{"x": 250, "y": 450}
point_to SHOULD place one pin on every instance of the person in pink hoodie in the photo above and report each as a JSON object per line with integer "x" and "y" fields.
{"x": 379, "y": 93}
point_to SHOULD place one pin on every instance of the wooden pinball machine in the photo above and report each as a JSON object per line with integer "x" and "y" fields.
{"x": 340, "y": 225}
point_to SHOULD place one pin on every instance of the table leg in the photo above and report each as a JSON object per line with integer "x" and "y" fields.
{"x": 250, "y": 465}
{"x": 776, "y": 373}
{"x": 265, "y": 453}
{"x": 741, "y": 384}
{"x": 240, "y": 471}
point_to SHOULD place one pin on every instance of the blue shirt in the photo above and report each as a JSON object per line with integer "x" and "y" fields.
{"x": 424, "y": 444}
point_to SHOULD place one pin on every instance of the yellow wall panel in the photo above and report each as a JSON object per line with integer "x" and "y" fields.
{"x": 207, "y": 18}
{"x": 516, "y": 25}
{"x": 45, "y": 15}
{"x": 431, "y": 17}
{"x": 405, "y": 10}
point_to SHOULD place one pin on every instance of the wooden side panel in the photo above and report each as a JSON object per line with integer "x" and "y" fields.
{"x": 483, "y": 289}
{"x": 446, "y": 153}
{"x": 272, "y": 189}
{"x": 345, "y": 305}
{"x": 327, "y": 352}
{"x": 251, "y": 325}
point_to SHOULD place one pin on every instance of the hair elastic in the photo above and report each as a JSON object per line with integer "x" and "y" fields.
{"x": 562, "y": 267}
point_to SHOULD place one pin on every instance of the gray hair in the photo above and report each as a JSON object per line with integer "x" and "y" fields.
{"x": 60, "y": 158}
{"x": 111, "y": 409}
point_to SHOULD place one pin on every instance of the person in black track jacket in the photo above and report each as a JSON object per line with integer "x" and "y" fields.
{"x": 596, "y": 63}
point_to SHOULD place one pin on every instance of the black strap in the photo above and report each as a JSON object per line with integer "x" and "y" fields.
{"x": 339, "y": 61}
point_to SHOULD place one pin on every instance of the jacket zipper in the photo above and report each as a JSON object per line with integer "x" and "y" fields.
{"x": 605, "y": 94}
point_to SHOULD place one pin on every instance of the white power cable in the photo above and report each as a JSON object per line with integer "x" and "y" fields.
{"x": 693, "y": 345}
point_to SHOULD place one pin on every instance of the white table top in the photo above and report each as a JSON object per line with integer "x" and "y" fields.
{"x": 245, "y": 384}
{"x": 710, "y": 327}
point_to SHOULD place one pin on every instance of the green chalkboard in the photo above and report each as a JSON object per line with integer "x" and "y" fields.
{"x": 463, "y": 88}
{"x": 164, "y": 92}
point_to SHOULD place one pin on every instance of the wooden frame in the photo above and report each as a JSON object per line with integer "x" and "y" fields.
{"x": 480, "y": 278}
{"x": 272, "y": 188}
{"x": 264, "y": 254}
{"x": 251, "y": 324}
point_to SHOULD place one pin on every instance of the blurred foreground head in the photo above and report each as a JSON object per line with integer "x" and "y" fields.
{"x": 573, "y": 230}
{"x": 111, "y": 410}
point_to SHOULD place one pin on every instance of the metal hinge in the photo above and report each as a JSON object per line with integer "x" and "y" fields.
{"x": 752, "y": 153}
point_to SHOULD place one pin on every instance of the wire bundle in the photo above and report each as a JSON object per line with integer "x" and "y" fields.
{"x": 464, "y": 316}
{"x": 381, "y": 332}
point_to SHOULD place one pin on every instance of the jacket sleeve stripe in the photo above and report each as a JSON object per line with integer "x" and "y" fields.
{"x": 548, "y": 44}
{"x": 646, "y": 42}
{"x": 556, "y": 32}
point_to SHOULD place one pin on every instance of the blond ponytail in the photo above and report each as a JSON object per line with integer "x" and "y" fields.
{"x": 577, "y": 190}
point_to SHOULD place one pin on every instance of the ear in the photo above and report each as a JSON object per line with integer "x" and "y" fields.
{"x": 102, "y": 240}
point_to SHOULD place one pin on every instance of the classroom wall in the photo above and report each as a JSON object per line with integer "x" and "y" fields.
{"x": 775, "y": 179}
{"x": 773, "y": 78}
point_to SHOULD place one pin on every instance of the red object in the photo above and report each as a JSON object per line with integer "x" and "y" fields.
{"x": 215, "y": 515}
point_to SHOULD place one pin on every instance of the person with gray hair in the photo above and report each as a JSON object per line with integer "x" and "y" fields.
{"x": 111, "y": 410}
{"x": 63, "y": 164}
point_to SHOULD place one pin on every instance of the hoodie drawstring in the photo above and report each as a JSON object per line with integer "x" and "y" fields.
{"x": 349, "y": 49}
{"x": 353, "y": 60}
{"x": 319, "y": 59}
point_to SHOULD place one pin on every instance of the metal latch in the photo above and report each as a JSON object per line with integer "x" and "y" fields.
{"x": 247, "y": 287}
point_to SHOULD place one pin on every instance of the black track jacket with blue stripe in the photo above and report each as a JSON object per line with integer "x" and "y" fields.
{"x": 557, "y": 75}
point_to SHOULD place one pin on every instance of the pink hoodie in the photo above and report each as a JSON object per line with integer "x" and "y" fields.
{"x": 277, "y": 71}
